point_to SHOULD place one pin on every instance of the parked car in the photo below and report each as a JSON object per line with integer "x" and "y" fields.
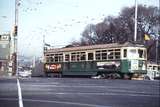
{"x": 25, "y": 73}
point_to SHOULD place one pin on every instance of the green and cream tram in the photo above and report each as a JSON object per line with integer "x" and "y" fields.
{"x": 108, "y": 60}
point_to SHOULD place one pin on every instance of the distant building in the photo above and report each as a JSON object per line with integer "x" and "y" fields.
{"x": 5, "y": 53}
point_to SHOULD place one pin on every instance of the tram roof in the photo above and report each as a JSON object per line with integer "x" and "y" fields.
{"x": 91, "y": 47}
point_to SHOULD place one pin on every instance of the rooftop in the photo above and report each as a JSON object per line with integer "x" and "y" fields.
{"x": 89, "y": 47}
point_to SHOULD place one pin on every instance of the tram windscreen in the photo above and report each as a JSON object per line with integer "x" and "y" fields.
{"x": 132, "y": 53}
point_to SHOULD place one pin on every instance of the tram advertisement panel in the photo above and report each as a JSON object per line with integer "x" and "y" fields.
{"x": 53, "y": 67}
{"x": 108, "y": 65}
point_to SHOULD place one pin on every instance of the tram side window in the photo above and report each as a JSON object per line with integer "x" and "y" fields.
{"x": 60, "y": 57}
{"x": 104, "y": 54}
{"x": 78, "y": 56}
{"x": 73, "y": 57}
{"x": 90, "y": 56}
{"x": 125, "y": 53}
{"x": 154, "y": 68}
{"x": 98, "y": 55}
{"x": 110, "y": 54}
{"x": 67, "y": 57}
{"x": 51, "y": 59}
{"x": 83, "y": 56}
{"x": 140, "y": 52}
{"x": 117, "y": 53}
{"x": 56, "y": 58}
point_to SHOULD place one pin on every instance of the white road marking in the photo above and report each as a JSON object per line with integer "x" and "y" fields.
{"x": 65, "y": 102}
{"x": 19, "y": 94}
{"x": 9, "y": 99}
{"x": 110, "y": 90}
{"x": 96, "y": 93}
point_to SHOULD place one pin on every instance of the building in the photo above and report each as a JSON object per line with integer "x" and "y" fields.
{"x": 5, "y": 53}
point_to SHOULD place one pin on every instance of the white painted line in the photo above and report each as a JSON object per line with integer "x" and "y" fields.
{"x": 9, "y": 99}
{"x": 96, "y": 93}
{"x": 19, "y": 94}
{"x": 66, "y": 103}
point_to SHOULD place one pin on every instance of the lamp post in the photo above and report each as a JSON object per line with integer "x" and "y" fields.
{"x": 15, "y": 35}
{"x": 135, "y": 23}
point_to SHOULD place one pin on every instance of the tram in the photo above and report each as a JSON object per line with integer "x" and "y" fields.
{"x": 113, "y": 60}
{"x": 153, "y": 70}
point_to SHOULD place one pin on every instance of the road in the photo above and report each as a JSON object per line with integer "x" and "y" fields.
{"x": 79, "y": 92}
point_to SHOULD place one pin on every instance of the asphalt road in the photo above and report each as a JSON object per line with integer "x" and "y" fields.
{"x": 79, "y": 92}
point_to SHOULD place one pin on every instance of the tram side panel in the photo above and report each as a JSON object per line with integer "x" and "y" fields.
{"x": 90, "y": 68}
{"x": 82, "y": 68}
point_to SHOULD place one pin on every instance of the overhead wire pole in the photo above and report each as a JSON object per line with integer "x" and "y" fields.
{"x": 43, "y": 48}
{"x": 135, "y": 24}
{"x": 15, "y": 52}
{"x": 158, "y": 35}
{"x": 15, "y": 39}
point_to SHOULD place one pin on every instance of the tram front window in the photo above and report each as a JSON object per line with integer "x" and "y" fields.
{"x": 132, "y": 53}
{"x": 140, "y": 52}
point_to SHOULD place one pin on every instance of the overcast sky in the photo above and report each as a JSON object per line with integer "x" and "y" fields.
{"x": 61, "y": 21}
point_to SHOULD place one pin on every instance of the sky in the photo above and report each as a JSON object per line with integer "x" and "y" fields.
{"x": 59, "y": 21}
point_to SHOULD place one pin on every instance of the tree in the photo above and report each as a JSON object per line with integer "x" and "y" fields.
{"x": 89, "y": 35}
{"x": 121, "y": 28}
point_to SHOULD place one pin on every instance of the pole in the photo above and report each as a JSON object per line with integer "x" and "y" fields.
{"x": 43, "y": 54}
{"x": 135, "y": 24}
{"x": 157, "y": 38}
{"x": 157, "y": 50}
{"x": 43, "y": 43}
{"x": 16, "y": 12}
{"x": 15, "y": 64}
